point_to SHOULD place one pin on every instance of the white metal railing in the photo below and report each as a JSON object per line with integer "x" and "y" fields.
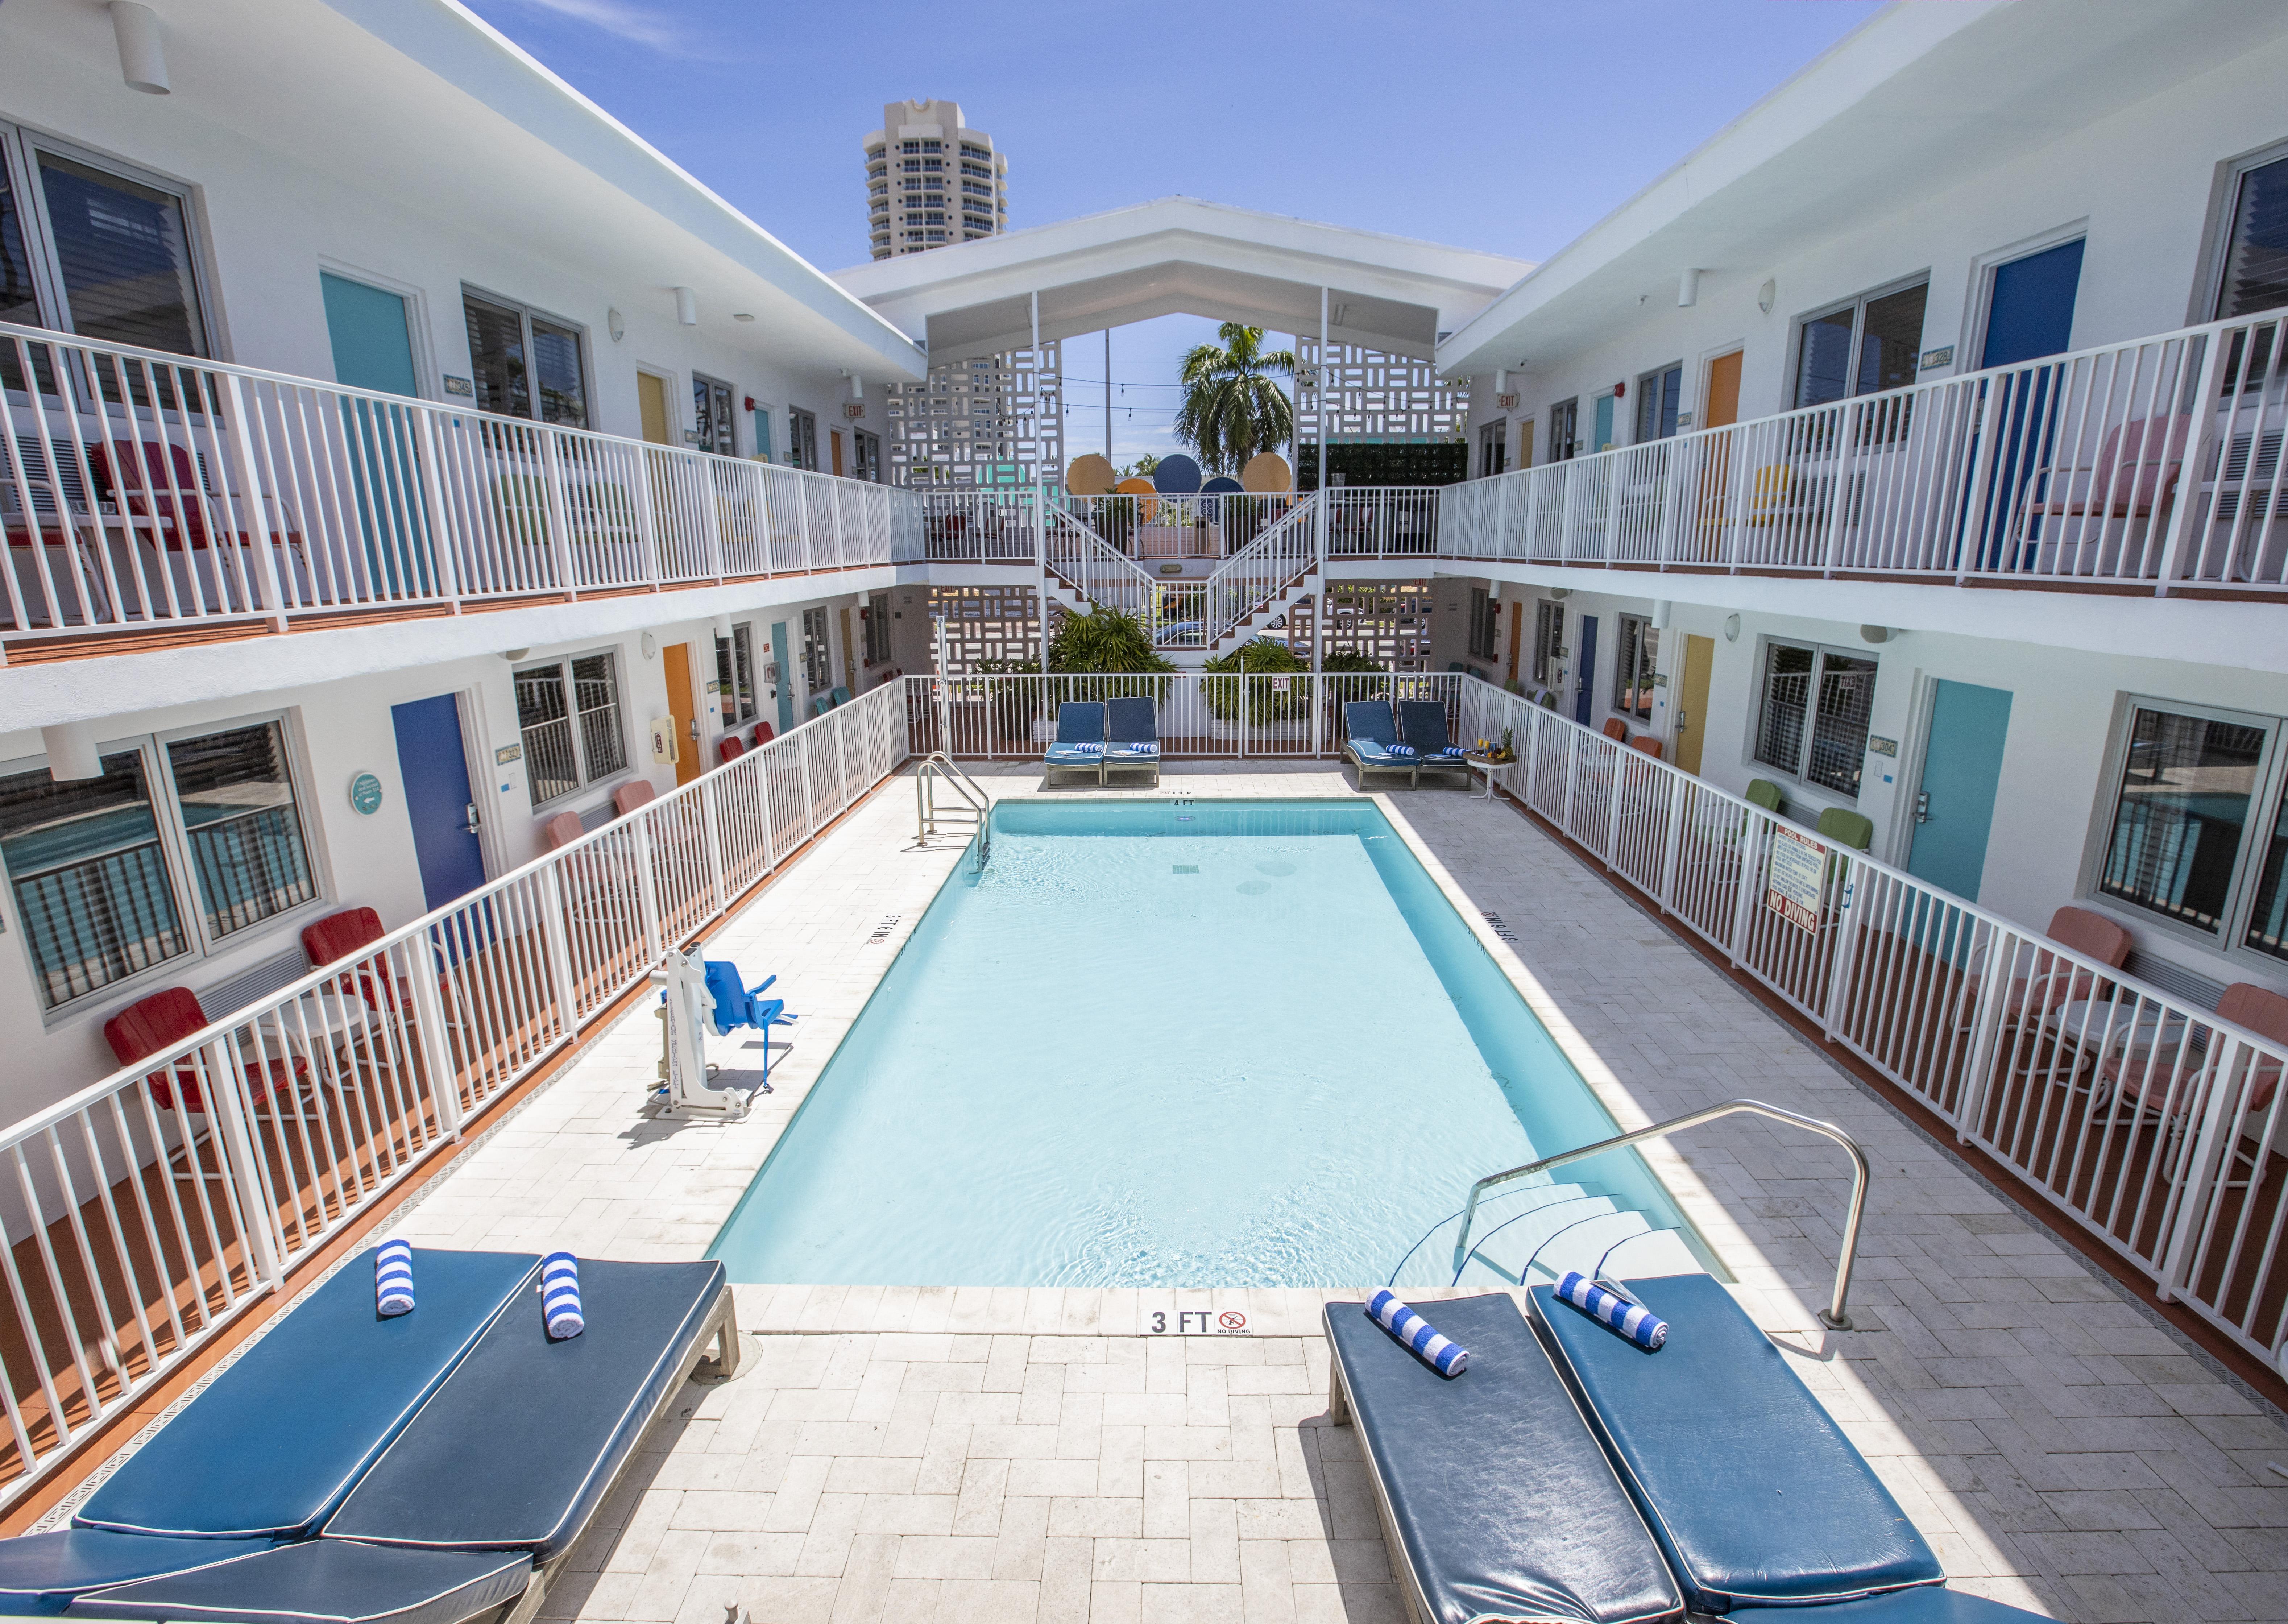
{"x": 2155, "y": 462}
{"x": 1092, "y": 567}
{"x": 1384, "y": 522}
{"x": 1282, "y": 557}
{"x": 139, "y": 1215}
{"x": 991, "y": 526}
{"x": 138, "y": 488}
{"x": 1212, "y": 525}
{"x": 2148, "y": 1120}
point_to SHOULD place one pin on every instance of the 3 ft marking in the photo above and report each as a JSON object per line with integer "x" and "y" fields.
{"x": 882, "y": 931}
{"x": 1200, "y": 1322}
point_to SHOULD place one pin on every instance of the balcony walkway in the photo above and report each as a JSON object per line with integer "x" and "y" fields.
{"x": 1023, "y": 1455}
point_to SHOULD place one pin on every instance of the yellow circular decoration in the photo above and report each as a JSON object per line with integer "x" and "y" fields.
{"x": 1141, "y": 487}
{"x": 1266, "y": 473}
{"x": 1090, "y": 475}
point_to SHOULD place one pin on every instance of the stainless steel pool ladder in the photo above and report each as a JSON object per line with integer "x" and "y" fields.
{"x": 1836, "y": 1316}
{"x": 975, "y": 811}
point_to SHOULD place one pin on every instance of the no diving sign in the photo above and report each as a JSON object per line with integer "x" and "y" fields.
{"x": 1794, "y": 881}
{"x": 1195, "y": 1322}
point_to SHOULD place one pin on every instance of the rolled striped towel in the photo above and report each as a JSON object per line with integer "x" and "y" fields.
{"x": 1144, "y": 749}
{"x": 1398, "y": 750}
{"x": 1453, "y": 749}
{"x": 560, "y": 1296}
{"x": 1632, "y": 1320}
{"x": 392, "y": 1278}
{"x": 1411, "y": 1329}
{"x": 1091, "y": 748}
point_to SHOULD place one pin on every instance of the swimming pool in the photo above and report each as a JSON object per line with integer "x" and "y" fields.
{"x": 1201, "y": 1043}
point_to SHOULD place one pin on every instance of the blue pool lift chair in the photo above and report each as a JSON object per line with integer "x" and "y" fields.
{"x": 738, "y": 1004}
{"x": 1079, "y": 746}
{"x": 1369, "y": 732}
{"x": 1133, "y": 736}
{"x": 1422, "y": 723}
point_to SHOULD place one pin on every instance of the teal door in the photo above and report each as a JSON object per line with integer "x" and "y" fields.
{"x": 373, "y": 349}
{"x": 786, "y": 675}
{"x": 1601, "y": 435}
{"x": 1962, "y": 766}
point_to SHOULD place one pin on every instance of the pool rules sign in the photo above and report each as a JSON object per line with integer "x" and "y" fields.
{"x": 1792, "y": 883}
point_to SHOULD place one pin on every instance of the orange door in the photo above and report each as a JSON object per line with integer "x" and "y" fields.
{"x": 686, "y": 711}
{"x": 836, "y": 437}
{"x": 1723, "y": 409}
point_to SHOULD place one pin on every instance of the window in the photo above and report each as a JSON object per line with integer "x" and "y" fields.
{"x": 2189, "y": 786}
{"x": 180, "y": 845}
{"x": 87, "y": 248}
{"x": 1813, "y": 720}
{"x": 1657, "y": 394}
{"x": 711, "y": 410}
{"x": 1632, "y": 667}
{"x": 869, "y": 459}
{"x": 1493, "y": 447}
{"x": 2254, "y": 274}
{"x": 568, "y": 711}
{"x": 1485, "y": 618}
{"x": 735, "y": 674}
{"x": 1564, "y": 430}
{"x": 526, "y": 364}
{"x": 1869, "y": 343}
{"x": 1548, "y": 641}
{"x": 802, "y": 435}
{"x": 875, "y": 618}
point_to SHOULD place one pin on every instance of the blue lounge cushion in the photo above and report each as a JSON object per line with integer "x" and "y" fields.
{"x": 1502, "y": 1502}
{"x": 1134, "y": 720}
{"x": 276, "y": 1442}
{"x": 1080, "y": 722}
{"x": 1368, "y": 721}
{"x": 1924, "y": 1604}
{"x": 1753, "y": 1492}
{"x": 515, "y": 1451}
{"x": 40, "y": 1572}
{"x": 324, "y": 1581}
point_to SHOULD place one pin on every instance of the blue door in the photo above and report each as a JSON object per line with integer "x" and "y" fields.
{"x": 1585, "y": 667}
{"x": 1601, "y": 435}
{"x": 2028, "y": 318}
{"x": 786, "y": 675}
{"x": 1962, "y": 764}
{"x": 434, "y": 769}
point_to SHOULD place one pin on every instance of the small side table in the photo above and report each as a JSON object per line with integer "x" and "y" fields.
{"x": 1486, "y": 766}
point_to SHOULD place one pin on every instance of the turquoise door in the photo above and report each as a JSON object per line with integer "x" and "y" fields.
{"x": 1962, "y": 766}
{"x": 373, "y": 349}
{"x": 1603, "y": 436}
{"x": 786, "y": 675}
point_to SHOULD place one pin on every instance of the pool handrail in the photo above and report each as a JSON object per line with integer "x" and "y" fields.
{"x": 1836, "y": 1316}
{"x": 937, "y": 765}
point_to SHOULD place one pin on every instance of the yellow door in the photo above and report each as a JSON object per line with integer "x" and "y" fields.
{"x": 680, "y": 705}
{"x": 1723, "y": 391}
{"x": 651, "y": 401}
{"x": 1723, "y": 409}
{"x": 1692, "y": 704}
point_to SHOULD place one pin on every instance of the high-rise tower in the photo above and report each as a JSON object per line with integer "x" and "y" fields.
{"x": 932, "y": 180}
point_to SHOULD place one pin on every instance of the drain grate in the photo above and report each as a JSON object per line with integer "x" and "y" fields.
{"x": 1501, "y": 931}
{"x": 1187, "y": 868}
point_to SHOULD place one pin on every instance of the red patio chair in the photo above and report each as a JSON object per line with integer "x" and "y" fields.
{"x": 561, "y": 831}
{"x": 1616, "y": 728}
{"x": 167, "y": 489}
{"x": 635, "y": 792}
{"x": 762, "y": 733}
{"x": 2134, "y": 473}
{"x": 1646, "y": 743}
{"x": 728, "y": 748}
{"x": 2052, "y": 982}
{"x": 2155, "y": 1083}
{"x": 339, "y": 935}
{"x": 166, "y": 1019}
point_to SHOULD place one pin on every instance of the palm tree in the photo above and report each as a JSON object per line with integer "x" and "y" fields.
{"x": 1233, "y": 408}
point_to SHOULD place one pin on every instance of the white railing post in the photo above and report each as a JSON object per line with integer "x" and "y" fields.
{"x": 2200, "y": 1171}
{"x": 2201, "y": 435}
{"x": 1752, "y": 829}
{"x": 1985, "y": 1032}
{"x": 442, "y": 554}
{"x": 655, "y": 928}
{"x": 1840, "y": 974}
{"x": 254, "y": 510}
{"x": 1670, "y": 847}
{"x": 559, "y": 528}
{"x": 556, "y": 909}
{"x": 1840, "y": 495}
{"x": 1672, "y": 464}
{"x": 429, "y": 1017}
{"x": 710, "y": 503}
{"x": 1970, "y": 551}
{"x": 647, "y": 500}
{"x": 225, "y": 1083}
{"x": 710, "y": 818}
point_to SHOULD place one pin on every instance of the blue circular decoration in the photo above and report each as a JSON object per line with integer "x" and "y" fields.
{"x": 1223, "y": 485}
{"x": 1175, "y": 476}
{"x": 365, "y": 794}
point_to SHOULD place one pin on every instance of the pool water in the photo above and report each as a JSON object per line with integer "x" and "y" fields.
{"x": 1157, "y": 1043}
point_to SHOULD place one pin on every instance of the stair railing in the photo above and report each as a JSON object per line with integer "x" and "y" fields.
{"x": 1837, "y": 1315}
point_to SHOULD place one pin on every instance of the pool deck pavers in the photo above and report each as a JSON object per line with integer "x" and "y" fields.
{"x": 1012, "y": 1454}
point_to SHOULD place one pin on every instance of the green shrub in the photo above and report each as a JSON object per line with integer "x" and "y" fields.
{"x": 1106, "y": 640}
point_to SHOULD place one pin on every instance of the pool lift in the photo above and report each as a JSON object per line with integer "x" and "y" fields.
{"x": 699, "y": 995}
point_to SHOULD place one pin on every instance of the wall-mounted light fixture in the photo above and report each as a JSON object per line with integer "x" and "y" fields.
{"x": 1688, "y": 288}
{"x": 1767, "y": 295}
{"x": 616, "y": 323}
{"x": 70, "y": 749}
{"x": 1876, "y": 634}
{"x": 1661, "y": 610}
{"x": 1731, "y": 628}
{"x": 742, "y": 315}
{"x": 142, "y": 57}
{"x": 513, "y": 654}
{"x": 686, "y": 306}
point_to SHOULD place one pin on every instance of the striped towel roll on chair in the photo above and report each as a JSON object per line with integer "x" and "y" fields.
{"x": 1613, "y": 1311}
{"x": 1093, "y": 747}
{"x": 1398, "y": 750}
{"x": 560, "y": 1296}
{"x": 392, "y": 1278}
{"x": 1411, "y": 1329}
{"x": 1143, "y": 747}
{"x": 1453, "y": 749}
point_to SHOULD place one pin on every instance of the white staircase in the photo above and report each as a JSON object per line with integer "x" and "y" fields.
{"x": 1195, "y": 620}
{"x": 1533, "y": 1233}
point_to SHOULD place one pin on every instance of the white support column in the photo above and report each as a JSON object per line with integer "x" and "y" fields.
{"x": 1040, "y": 496}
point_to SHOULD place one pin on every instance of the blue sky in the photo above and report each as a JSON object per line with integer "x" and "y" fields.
{"x": 1510, "y": 127}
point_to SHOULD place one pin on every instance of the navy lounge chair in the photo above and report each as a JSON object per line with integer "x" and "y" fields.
{"x": 1133, "y": 736}
{"x": 445, "y": 1459}
{"x": 1422, "y": 723}
{"x": 1079, "y": 722}
{"x": 1369, "y": 732}
{"x": 1496, "y": 1502}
